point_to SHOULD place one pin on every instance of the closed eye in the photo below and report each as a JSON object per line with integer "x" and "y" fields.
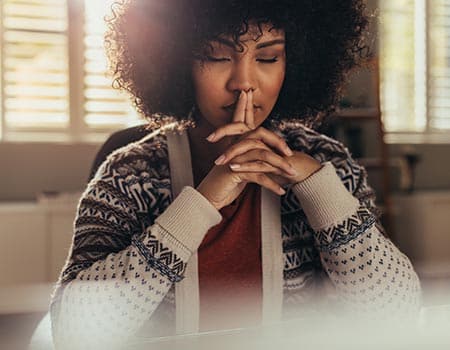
{"x": 217, "y": 59}
{"x": 267, "y": 60}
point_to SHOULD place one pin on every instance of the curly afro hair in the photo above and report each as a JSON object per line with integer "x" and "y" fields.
{"x": 151, "y": 45}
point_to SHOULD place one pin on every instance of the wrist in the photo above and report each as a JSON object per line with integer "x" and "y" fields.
{"x": 200, "y": 189}
{"x": 324, "y": 198}
{"x": 313, "y": 169}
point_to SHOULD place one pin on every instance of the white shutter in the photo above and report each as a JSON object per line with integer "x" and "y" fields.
{"x": 104, "y": 106}
{"x": 398, "y": 66}
{"x": 35, "y": 65}
{"x": 439, "y": 80}
{"x": 415, "y": 69}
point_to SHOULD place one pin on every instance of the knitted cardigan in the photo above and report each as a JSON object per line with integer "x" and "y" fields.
{"x": 134, "y": 239}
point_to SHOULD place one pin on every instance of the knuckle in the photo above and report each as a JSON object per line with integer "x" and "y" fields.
{"x": 241, "y": 160}
{"x": 237, "y": 178}
{"x": 262, "y": 131}
{"x": 257, "y": 143}
{"x": 260, "y": 177}
{"x": 260, "y": 152}
{"x": 264, "y": 154}
{"x": 228, "y": 153}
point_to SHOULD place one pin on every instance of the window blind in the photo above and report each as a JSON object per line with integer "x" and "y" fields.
{"x": 397, "y": 66}
{"x": 104, "y": 106}
{"x": 34, "y": 61}
{"x": 415, "y": 65}
{"x": 439, "y": 66}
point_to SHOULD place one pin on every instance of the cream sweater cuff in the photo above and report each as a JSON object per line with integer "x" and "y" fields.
{"x": 324, "y": 198}
{"x": 188, "y": 218}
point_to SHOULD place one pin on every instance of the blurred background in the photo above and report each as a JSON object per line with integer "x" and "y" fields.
{"x": 57, "y": 107}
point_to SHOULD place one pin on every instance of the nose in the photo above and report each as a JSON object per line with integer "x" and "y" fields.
{"x": 242, "y": 76}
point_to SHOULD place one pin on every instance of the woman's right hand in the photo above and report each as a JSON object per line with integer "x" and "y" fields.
{"x": 222, "y": 185}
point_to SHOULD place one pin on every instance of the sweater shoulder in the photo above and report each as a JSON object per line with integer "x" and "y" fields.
{"x": 146, "y": 157}
{"x": 302, "y": 138}
{"x": 135, "y": 177}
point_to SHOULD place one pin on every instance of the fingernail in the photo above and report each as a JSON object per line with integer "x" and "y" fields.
{"x": 219, "y": 160}
{"x": 235, "y": 166}
{"x": 241, "y": 94}
{"x": 211, "y": 137}
{"x": 281, "y": 191}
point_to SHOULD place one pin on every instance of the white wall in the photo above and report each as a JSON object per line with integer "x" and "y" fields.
{"x": 29, "y": 168}
{"x": 35, "y": 240}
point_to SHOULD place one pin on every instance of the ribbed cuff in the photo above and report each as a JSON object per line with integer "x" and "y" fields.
{"x": 324, "y": 198}
{"x": 188, "y": 218}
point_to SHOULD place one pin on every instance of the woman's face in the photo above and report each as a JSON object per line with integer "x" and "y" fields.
{"x": 219, "y": 80}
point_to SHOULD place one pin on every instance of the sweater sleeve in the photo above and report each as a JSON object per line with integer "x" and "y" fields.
{"x": 368, "y": 271}
{"x": 119, "y": 268}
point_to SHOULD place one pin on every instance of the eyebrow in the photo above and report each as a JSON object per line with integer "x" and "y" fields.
{"x": 259, "y": 46}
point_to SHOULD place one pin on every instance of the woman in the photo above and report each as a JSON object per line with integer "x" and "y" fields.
{"x": 244, "y": 215}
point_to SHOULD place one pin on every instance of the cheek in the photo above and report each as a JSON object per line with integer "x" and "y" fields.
{"x": 273, "y": 85}
{"x": 276, "y": 87}
{"x": 206, "y": 86}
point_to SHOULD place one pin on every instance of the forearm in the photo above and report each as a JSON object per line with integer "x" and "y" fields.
{"x": 367, "y": 270}
{"x": 107, "y": 302}
{"x": 112, "y": 297}
{"x": 370, "y": 273}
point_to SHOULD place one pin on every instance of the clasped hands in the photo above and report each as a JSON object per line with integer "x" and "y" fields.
{"x": 255, "y": 148}
{"x": 256, "y": 155}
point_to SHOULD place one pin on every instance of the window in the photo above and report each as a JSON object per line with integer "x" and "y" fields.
{"x": 53, "y": 72}
{"x": 103, "y": 106}
{"x": 415, "y": 70}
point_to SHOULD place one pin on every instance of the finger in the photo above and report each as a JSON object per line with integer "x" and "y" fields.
{"x": 261, "y": 133}
{"x": 271, "y": 139}
{"x": 249, "y": 116}
{"x": 263, "y": 180}
{"x": 239, "y": 112}
{"x": 240, "y": 148}
{"x": 266, "y": 156}
{"x": 257, "y": 167}
{"x": 237, "y": 128}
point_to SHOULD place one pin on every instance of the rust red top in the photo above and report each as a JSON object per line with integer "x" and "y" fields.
{"x": 230, "y": 267}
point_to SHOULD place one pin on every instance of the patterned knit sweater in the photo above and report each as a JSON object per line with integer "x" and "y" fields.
{"x": 133, "y": 240}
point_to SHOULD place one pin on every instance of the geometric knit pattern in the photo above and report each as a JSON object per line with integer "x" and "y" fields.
{"x": 119, "y": 248}
{"x": 161, "y": 258}
{"x": 342, "y": 233}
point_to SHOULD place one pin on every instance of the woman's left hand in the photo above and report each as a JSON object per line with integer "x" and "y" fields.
{"x": 249, "y": 160}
